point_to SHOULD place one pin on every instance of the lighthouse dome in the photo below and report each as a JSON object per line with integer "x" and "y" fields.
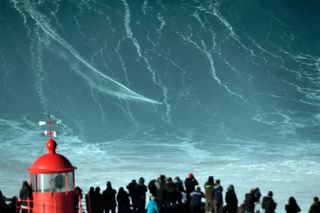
{"x": 51, "y": 162}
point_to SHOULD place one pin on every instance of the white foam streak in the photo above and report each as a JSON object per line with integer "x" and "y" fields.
{"x": 156, "y": 80}
{"x": 120, "y": 90}
{"x": 207, "y": 52}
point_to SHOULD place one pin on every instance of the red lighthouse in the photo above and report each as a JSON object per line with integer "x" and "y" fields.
{"x": 52, "y": 181}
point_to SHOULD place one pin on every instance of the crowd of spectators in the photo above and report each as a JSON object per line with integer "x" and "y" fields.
{"x": 166, "y": 195}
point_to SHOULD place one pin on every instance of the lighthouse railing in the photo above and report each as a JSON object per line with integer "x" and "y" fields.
{"x": 27, "y": 208}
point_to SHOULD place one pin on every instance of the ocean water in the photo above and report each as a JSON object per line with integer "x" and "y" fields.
{"x": 222, "y": 88}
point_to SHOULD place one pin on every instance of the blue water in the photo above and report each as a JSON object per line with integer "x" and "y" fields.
{"x": 222, "y": 88}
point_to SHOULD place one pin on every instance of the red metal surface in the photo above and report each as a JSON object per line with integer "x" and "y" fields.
{"x": 58, "y": 202}
{"x": 51, "y": 162}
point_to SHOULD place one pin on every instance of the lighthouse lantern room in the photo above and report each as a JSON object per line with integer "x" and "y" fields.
{"x": 52, "y": 180}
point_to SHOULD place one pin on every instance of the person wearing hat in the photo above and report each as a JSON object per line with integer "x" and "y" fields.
{"x": 190, "y": 184}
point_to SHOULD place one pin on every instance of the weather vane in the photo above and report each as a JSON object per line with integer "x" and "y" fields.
{"x": 48, "y": 132}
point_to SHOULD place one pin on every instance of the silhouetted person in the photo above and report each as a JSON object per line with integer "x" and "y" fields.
{"x": 77, "y": 199}
{"x": 170, "y": 195}
{"x": 241, "y": 208}
{"x": 152, "y": 187}
{"x": 123, "y": 201}
{"x": 160, "y": 183}
{"x": 195, "y": 200}
{"x": 133, "y": 193}
{"x": 3, "y": 206}
{"x": 141, "y": 190}
{"x": 256, "y": 195}
{"x": 249, "y": 202}
{"x": 152, "y": 206}
{"x": 109, "y": 199}
{"x": 268, "y": 203}
{"x": 315, "y": 207}
{"x": 25, "y": 197}
{"x": 180, "y": 191}
{"x": 190, "y": 183}
{"x": 98, "y": 200}
{"x": 292, "y": 206}
{"x": 231, "y": 200}
{"x": 90, "y": 201}
{"x": 13, "y": 205}
{"x": 208, "y": 191}
{"x": 217, "y": 197}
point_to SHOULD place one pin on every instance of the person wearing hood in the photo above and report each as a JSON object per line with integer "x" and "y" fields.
{"x": 217, "y": 197}
{"x": 231, "y": 200}
{"x": 25, "y": 197}
{"x": 123, "y": 201}
{"x": 292, "y": 206}
{"x": 190, "y": 183}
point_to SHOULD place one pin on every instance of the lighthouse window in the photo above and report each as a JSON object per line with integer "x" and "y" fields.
{"x": 70, "y": 176}
{"x": 57, "y": 182}
{"x": 43, "y": 182}
{"x": 62, "y": 182}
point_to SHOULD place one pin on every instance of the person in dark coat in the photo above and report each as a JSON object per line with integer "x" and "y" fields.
{"x": 90, "y": 204}
{"x": 123, "y": 201}
{"x": 315, "y": 207}
{"x": 141, "y": 190}
{"x": 98, "y": 200}
{"x": 231, "y": 200}
{"x": 3, "y": 205}
{"x": 292, "y": 206}
{"x": 77, "y": 199}
{"x": 170, "y": 195}
{"x": 195, "y": 200}
{"x": 217, "y": 197}
{"x": 249, "y": 202}
{"x": 190, "y": 183}
{"x": 133, "y": 194}
{"x": 152, "y": 187}
{"x": 13, "y": 205}
{"x": 256, "y": 195}
{"x": 25, "y": 197}
{"x": 109, "y": 199}
{"x": 180, "y": 191}
{"x": 268, "y": 203}
{"x": 160, "y": 183}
